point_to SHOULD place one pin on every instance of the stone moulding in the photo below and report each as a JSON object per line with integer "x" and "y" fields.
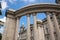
{"x": 35, "y": 8}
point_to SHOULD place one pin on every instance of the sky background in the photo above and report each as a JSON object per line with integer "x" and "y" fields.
{"x": 18, "y": 4}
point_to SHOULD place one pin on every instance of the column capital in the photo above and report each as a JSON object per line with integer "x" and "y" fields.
{"x": 17, "y": 18}
{"x": 28, "y": 15}
{"x": 53, "y": 13}
{"x": 34, "y": 14}
{"x": 47, "y": 13}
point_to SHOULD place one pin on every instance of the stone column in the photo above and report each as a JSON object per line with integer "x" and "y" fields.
{"x": 28, "y": 27}
{"x": 50, "y": 26}
{"x": 41, "y": 32}
{"x": 16, "y": 29}
{"x": 5, "y": 30}
{"x": 35, "y": 30}
{"x": 10, "y": 27}
{"x": 56, "y": 25}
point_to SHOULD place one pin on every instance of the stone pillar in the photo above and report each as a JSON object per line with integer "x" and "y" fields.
{"x": 9, "y": 28}
{"x": 56, "y": 26}
{"x": 28, "y": 28}
{"x": 41, "y": 32}
{"x": 16, "y": 29}
{"x": 4, "y": 33}
{"x": 35, "y": 30}
{"x": 50, "y": 26}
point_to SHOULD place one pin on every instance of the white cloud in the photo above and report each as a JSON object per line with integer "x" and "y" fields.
{"x": 4, "y": 5}
{"x": 12, "y": 1}
{"x": 3, "y": 19}
{"x": 30, "y": 1}
{"x": 15, "y": 1}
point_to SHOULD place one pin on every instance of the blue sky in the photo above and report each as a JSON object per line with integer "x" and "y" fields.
{"x": 17, "y": 4}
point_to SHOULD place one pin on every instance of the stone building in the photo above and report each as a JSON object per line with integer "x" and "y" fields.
{"x": 23, "y": 31}
{"x": 49, "y": 29}
{"x": 46, "y": 27}
{"x": 43, "y": 30}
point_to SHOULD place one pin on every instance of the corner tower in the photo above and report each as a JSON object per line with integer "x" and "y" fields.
{"x": 22, "y": 28}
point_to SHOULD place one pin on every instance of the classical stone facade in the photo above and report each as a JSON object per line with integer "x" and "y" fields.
{"x": 43, "y": 30}
{"x": 47, "y": 30}
{"x": 23, "y": 32}
{"x": 13, "y": 17}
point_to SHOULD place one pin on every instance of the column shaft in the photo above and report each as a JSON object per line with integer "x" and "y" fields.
{"x": 56, "y": 26}
{"x": 41, "y": 32}
{"x": 35, "y": 33}
{"x": 51, "y": 32}
{"x": 28, "y": 27}
{"x": 16, "y": 29}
